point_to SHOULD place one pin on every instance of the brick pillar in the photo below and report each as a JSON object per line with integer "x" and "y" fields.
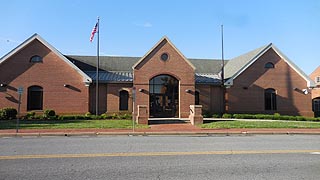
{"x": 196, "y": 114}
{"x": 142, "y": 117}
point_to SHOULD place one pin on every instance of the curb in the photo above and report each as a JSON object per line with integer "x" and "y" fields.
{"x": 227, "y": 133}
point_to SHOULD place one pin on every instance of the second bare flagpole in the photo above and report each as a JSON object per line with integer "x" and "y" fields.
{"x": 97, "y": 71}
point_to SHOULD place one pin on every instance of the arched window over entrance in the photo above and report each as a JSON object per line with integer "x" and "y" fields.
{"x": 123, "y": 100}
{"x": 35, "y": 98}
{"x": 270, "y": 99}
{"x": 164, "y": 96}
{"x": 316, "y": 106}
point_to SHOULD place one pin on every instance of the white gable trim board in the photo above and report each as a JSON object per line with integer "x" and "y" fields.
{"x": 310, "y": 83}
{"x": 86, "y": 79}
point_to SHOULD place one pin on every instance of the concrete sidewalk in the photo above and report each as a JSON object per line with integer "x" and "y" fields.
{"x": 155, "y": 129}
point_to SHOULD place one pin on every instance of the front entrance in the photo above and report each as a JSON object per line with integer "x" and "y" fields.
{"x": 164, "y": 96}
{"x": 316, "y": 106}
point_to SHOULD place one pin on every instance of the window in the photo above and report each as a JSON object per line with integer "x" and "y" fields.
{"x": 197, "y": 98}
{"x": 316, "y": 106}
{"x": 36, "y": 59}
{"x": 270, "y": 99}
{"x": 269, "y": 65}
{"x": 317, "y": 79}
{"x": 164, "y": 57}
{"x": 35, "y": 98}
{"x": 164, "y": 96}
{"x": 123, "y": 101}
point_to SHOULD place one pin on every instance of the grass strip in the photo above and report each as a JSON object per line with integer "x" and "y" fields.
{"x": 260, "y": 124}
{"x": 69, "y": 124}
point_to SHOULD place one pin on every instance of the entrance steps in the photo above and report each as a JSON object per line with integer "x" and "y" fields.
{"x": 168, "y": 121}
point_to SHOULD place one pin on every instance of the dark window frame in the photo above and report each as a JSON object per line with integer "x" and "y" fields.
{"x": 270, "y": 99}
{"x": 164, "y": 56}
{"x": 35, "y": 98}
{"x": 123, "y": 100}
{"x": 36, "y": 59}
{"x": 269, "y": 65}
{"x": 197, "y": 98}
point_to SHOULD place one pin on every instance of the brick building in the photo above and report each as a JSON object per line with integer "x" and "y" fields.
{"x": 163, "y": 80}
{"x": 315, "y": 75}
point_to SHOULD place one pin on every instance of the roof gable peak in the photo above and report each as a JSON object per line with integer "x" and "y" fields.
{"x": 163, "y": 39}
{"x": 36, "y": 36}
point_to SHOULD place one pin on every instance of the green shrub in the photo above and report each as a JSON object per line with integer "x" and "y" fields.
{"x": 126, "y": 116}
{"x": 268, "y": 116}
{"x": 216, "y": 116}
{"x": 300, "y": 118}
{"x": 206, "y": 114}
{"x": 2, "y": 114}
{"x": 30, "y": 115}
{"x": 49, "y": 114}
{"x": 259, "y": 116}
{"x": 66, "y": 117}
{"x": 244, "y": 116}
{"x": 88, "y": 114}
{"x": 292, "y": 118}
{"x": 276, "y": 116}
{"x": 106, "y": 116}
{"x": 9, "y": 113}
{"x": 95, "y": 117}
{"x": 229, "y": 116}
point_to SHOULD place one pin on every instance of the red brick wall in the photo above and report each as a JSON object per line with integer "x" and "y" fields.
{"x": 247, "y": 94}
{"x": 51, "y": 75}
{"x": 313, "y": 75}
{"x": 102, "y": 107}
{"x": 176, "y": 66}
{"x": 113, "y": 97}
{"x": 210, "y": 98}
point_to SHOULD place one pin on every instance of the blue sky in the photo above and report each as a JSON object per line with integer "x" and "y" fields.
{"x": 131, "y": 28}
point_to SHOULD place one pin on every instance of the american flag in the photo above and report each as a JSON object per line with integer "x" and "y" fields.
{"x": 94, "y": 30}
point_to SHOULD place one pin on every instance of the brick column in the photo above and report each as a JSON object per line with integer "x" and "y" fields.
{"x": 196, "y": 114}
{"x": 142, "y": 117}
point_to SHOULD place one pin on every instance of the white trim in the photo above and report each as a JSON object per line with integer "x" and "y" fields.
{"x": 86, "y": 78}
{"x": 310, "y": 83}
{"x": 229, "y": 82}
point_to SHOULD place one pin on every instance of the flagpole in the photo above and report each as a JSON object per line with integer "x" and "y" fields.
{"x": 222, "y": 73}
{"x": 97, "y": 70}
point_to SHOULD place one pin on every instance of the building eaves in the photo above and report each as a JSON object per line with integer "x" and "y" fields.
{"x": 238, "y": 64}
{"x": 86, "y": 79}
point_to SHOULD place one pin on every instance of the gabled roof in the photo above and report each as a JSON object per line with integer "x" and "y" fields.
{"x": 86, "y": 78}
{"x": 119, "y": 69}
{"x": 238, "y": 65}
{"x": 122, "y": 63}
{"x": 154, "y": 47}
{"x": 107, "y": 63}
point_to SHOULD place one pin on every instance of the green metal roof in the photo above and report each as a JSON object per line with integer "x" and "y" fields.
{"x": 118, "y": 63}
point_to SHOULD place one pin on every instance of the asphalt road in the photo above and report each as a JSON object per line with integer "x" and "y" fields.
{"x": 163, "y": 157}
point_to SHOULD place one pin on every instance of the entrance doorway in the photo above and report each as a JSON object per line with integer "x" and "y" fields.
{"x": 316, "y": 106}
{"x": 164, "y": 96}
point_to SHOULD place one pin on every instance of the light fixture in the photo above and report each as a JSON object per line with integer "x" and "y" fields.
{"x": 66, "y": 85}
{"x": 3, "y": 85}
{"x": 87, "y": 84}
{"x": 188, "y": 91}
{"x": 141, "y": 90}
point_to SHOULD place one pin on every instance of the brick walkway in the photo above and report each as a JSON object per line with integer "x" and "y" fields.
{"x": 174, "y": 127}
{"x": 155, "y": 128}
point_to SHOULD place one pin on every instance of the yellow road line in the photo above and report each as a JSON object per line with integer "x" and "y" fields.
{"x": 48, "y": 156}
